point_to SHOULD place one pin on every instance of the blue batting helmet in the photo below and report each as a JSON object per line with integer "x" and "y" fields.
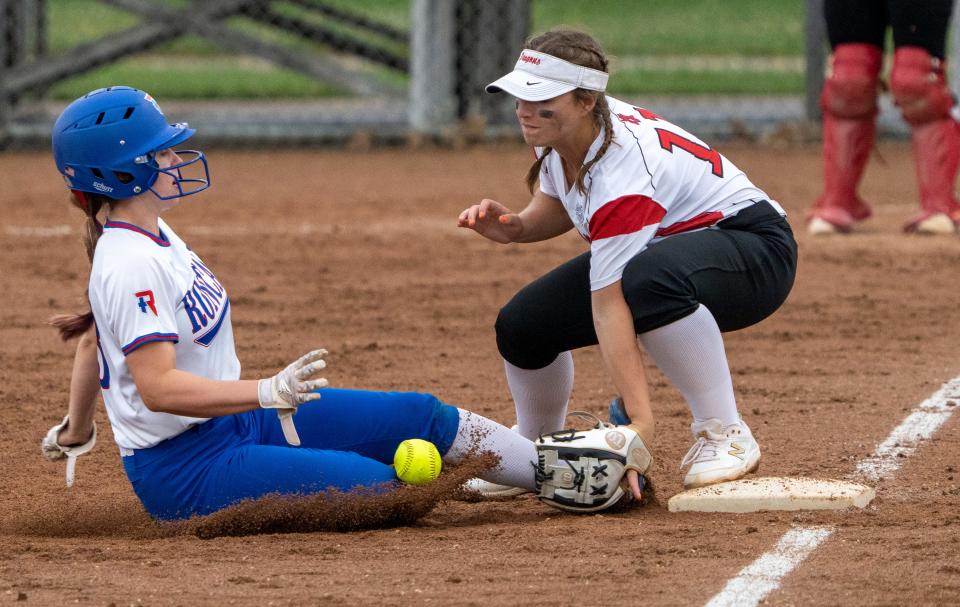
{"x": 105, "y": 143}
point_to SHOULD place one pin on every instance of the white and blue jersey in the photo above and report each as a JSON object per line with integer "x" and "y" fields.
{"x": 151, "y": 287}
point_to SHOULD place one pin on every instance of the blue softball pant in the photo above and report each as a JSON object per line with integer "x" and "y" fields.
{"x": 348, "y": 441}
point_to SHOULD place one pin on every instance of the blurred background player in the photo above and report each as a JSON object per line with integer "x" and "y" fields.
{"x": 857, "y": 31}
{"x": 682, "y": 247}
{"x": 158, "y": 343}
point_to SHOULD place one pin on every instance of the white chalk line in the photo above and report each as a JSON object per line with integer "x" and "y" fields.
{"x": 918, "y": 427}
{"x": 763, "y": 576}
{"x": 40, "y": 231}
{"x": 402, "y": 226}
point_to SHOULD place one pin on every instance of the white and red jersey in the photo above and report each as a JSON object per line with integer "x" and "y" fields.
{"x": 655, "y": 180}
{"x": 146, "y": 287}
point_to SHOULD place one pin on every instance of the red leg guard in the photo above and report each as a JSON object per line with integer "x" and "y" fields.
{"x": 936, "y": 154}
{"x": 849, "y": 104}
{"x": 920, "y": 90}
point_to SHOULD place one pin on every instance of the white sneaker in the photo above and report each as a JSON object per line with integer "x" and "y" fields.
{"x": 493, "y": 490}
{"x": 821, "y": 227}
{"x": 721, "y": 453}
{"x": 936, "y": 224}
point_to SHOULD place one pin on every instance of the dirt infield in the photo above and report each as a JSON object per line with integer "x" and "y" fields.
{"x": 358, "y": 253}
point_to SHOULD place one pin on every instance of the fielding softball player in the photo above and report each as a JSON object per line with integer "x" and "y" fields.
{"x": 158, "y": 343}
{"x": 857, "y": 32}
{"x": 682, "y": 247}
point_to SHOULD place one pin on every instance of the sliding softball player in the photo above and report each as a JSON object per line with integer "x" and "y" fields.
{"x": 158, "y": 344}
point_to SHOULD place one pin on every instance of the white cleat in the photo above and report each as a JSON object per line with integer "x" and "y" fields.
{"x": 821, "y": 227}
{"x": 493, "y": 490}
{"x": 721, "y": 453}
{"x": 936, "y": 224}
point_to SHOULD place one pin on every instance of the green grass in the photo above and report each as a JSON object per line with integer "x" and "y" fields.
{"x": 197, "y": 68}
{"x": 684, "y": 27}
{"x": 189, "y": 78}
{"x": 648, "y": 82}
{"x": 391, "y": 12}
{"x": 73, "y": 22}
{"x": 189, "y": 67}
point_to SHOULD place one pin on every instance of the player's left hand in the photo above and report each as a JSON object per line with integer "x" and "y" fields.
{"x": 293, "y": 386}
{"x": 639, "y": 462}
{"x": 633, "y": 479}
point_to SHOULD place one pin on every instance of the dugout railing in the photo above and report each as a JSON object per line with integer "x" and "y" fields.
{"x": 451, "y": 48}
{"x": 399, "y": 82}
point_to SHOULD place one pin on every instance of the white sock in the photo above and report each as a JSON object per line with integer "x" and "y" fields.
{"x": 690, "y": 353}
{"x": 477, "y": 434}
{"x": 541, "y": 395}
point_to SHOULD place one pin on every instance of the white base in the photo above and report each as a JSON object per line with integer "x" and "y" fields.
{"x": 772, "y": 493}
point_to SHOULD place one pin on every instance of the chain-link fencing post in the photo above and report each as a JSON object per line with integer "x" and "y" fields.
{"x": 815, "y": 29}
{"x": 433, "y": 102}
{"x": 953, "y": 52}
{"x": 8, "y": 29}
{"x": 490, "y": 36}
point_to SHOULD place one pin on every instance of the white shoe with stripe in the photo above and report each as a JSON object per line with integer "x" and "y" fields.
{"x": 720, "y": 453}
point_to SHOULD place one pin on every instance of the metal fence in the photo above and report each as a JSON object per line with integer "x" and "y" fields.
{"x": 335, "y": 71}
{"x": 340, "y": 74}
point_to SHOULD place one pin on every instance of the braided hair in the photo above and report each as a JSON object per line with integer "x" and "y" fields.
{"x": 581, "y": 49}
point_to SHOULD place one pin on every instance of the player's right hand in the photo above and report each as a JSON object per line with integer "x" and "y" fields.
{"x": 492, "y": 220}
{"x": 294, "y": 385}
{"x": 53, "y": 450}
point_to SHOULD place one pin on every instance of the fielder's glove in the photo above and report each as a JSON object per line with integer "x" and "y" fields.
{"x": 582, "y": 470}
{"x": 53, "y": 450}
{"x": 292, "y": 387}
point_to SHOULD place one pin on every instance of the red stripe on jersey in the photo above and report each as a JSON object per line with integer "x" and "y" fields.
{"x": 625, "y": 215}
{"x": 703, "y": 220}
{"x": 143, "y": 339}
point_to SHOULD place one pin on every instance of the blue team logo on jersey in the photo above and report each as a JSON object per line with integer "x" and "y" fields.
{"x": 205, "y": 303}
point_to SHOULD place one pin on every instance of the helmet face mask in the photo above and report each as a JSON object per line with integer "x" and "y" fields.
{"x": 185, "y": 185}
{"x": 106, "y": 143}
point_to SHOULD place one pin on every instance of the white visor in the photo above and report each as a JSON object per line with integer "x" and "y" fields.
{"x": 539, "y": 76}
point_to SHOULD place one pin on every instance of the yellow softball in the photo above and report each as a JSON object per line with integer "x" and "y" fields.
{"x": 417, "y": 461}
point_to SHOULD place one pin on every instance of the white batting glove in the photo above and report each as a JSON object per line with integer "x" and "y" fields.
{"x": 292, "y": 387}
{"x": 53, "y": 450}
